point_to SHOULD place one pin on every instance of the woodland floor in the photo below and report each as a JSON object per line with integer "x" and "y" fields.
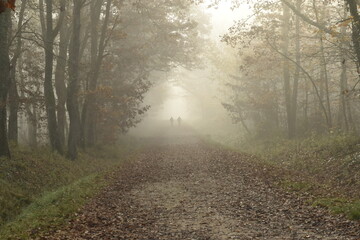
{"x": 181, "y": 188}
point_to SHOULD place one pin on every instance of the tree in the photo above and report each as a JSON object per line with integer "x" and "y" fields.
{"x": 98, "y": 45}
{"x": 103, "y": 67}
{"x": 60, "y": 78}
{"x": 116, "y": 84}
{"x": 13, "y": 91}
{"x": 286, "y": 70}
{"x": 73, "y": 85}
{"x": 49, "y": 33}
{"x": 309, "y": 91}
{"x": 5, "y": 19}
{"x": 353, "y": 7}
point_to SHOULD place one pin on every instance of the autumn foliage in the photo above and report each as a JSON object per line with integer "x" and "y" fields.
{"x": 7, "y": 4}
{"x": 104, "y": 87}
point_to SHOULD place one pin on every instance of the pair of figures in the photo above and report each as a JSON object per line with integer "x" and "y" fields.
{"x": 178, "y": 120}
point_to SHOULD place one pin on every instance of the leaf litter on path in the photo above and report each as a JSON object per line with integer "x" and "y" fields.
{"x": 198, "y": 192}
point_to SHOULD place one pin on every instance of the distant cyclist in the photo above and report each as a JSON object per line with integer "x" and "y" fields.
{"x": 179, "y": 121}
{"x": 172, "y": 121}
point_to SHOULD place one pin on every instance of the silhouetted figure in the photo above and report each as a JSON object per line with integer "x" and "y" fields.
{"x": 172, "y": 121}
{"x": 179, "y": 121}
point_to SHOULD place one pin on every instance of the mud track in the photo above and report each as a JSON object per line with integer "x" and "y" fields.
{"x": 185, "y": 189}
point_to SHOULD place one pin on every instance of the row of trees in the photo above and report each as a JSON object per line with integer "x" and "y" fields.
{"x": 78, "y": 70}
{"x": 300, "y": 67}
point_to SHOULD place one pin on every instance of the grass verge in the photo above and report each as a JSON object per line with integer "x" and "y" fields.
{"x": 52, "y": 209}
{"x": 39, "y": 188}
{"x": 350, "y": 208}
{"x": 327, "y": 167}
{"x": 336, "y": 205}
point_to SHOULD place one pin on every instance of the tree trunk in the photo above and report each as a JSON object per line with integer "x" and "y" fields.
{"x": 326, "y": 82}
{"x": 306, "y": 107}
{"x": 89, "y": 109}
{"x": 13, "y": 107}
{"x": 352, "y": 122}
{"x": 293, "y": 115}
{"x": 324, "y": 73}
{"x": 97, "y": 51}
{"x": 48, "y": 84}
{"x": 60, "y": 85}
{"x": 73, "y": 86}
{"x": 49, "y": 34}
{"x": 13, "y": 94}
{"x": 342, "y": 115}
{"x": 5, "y": 18}
{"x": 355, "y": 28}
{"x": 13, "y": 98}
{"x": 32, "y": 125}
{"x": 286, "y": 69}
{"x": 343, "y": 120}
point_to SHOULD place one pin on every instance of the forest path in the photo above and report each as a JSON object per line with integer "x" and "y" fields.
{"x": 183, "y": 189}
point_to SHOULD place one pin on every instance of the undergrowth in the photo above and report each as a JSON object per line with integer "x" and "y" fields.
{"x": 327, "y": 166}
{"x": 52, "y": 209}
{"x": 38, "y": 181}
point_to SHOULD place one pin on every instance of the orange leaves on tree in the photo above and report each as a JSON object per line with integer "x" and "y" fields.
{"x": 11, "y": 4}
{"x": 8, "y": 4}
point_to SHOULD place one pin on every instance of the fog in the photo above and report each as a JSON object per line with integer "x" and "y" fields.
{"x": 179, "y": 119}
{"x": 256, "y": 77}
{"x": 196, "y": 94}
{"x": 230, "y": 69}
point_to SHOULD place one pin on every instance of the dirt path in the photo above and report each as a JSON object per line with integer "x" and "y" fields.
{"x": 192, "y": 191}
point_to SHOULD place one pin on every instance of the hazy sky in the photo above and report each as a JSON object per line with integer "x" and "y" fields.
{"x": 176, "y": 104}
{"x": 222, "y": 17}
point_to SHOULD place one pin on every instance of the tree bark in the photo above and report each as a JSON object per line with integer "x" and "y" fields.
{"x": 343, "y": 87}
{"x": 293, "y": 114}
{"x": 5, "y": 19}
{"x": 97, "y": 52}
{"x": 60, "y": 85}
{"x": 306, "y": 107}
{"x": 326, "y": 82}
{"x": 355, "y": 28}
{"x": 49, "y": 34}
{"x": 13, "y": 94}
{"x": 13, "y": 102}
{"x": 324, "y": 71}
{"x": 286, "y": 68}
{"x": 342, "y": 114}
{"x": 32, "y": 125}
{"x": 73, "y": 85}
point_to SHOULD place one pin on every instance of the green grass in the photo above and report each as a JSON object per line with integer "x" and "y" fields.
{"x": 350, "y": 208}
{"x": 332, "y": 160}
{"x": 34, "y": 178}
{"x": 326, "y": 166}
{"x": 294, "y": 186}
{"x": 52, "y": 209}
{"x": 322, "y": 145}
